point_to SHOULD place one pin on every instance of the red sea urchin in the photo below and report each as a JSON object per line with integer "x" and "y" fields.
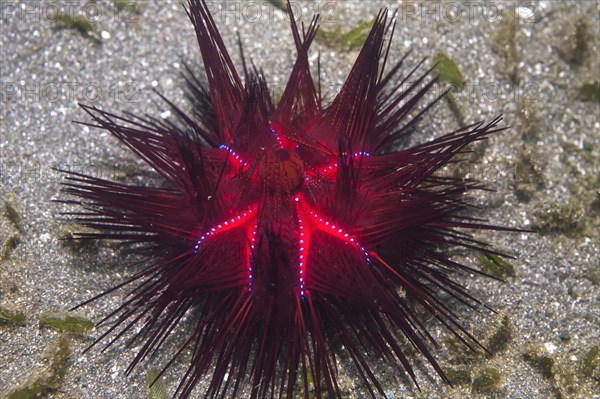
{"x": 288, "y": 230}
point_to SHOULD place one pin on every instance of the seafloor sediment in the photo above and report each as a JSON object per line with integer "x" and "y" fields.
{"x": 536, "y": 63}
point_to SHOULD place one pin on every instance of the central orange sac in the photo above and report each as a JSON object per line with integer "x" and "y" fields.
{"x": 282, "y": 171}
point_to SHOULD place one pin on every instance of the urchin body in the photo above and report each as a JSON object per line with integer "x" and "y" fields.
{"x": 289, "y": 228}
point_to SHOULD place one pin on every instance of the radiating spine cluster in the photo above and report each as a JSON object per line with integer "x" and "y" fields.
{"x": 284, "y": 229}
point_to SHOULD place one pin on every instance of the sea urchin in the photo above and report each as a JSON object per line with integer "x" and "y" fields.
{"x": 289, "y": 233}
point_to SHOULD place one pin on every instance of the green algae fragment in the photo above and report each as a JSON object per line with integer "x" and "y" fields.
{"x": 65, "y": 322}
{"x": 299, "y": 387}
{"x": 590, "y": 92}
{"x": 560, "y": 219}
{"x": 11, "y": 317}
{"x": 350, "y": 40}
{"x": 487, "y": 380}
{"x": 505, "y": 44}
{"x": 575, "y": 37}
{"x": 125, "y": 5}
{"x": 9, "y": 246}
{"x": 455, "y": 108}
{"x": 459, "y": 351}
{"x": 11, "y": 213}
{"x": 566, "y": 384}
{"x": 447, "y": 71}
{"x": 562, "y": 379}
{"x": 60, "y": 362}
{"x": 458, "y": 375}
{"x": 156, "y": 387}
{"x": 495, "y": 265}
{"x": 49, "y": 381}
{"x": 502, "y": 337}
{"x": 281, "y": 4}
{"x": 542, "y": 362}
{"x": 79, "y": 24}
{"x": 580, "y": 44}
{"x": 35, "y": 390}
{"x": 74, "y": 22}
{"x": 528, "y": 179}
{"x": 595, "y": 205}
{"x": 70, "y": 237}
{"x": 590, "y": 361}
